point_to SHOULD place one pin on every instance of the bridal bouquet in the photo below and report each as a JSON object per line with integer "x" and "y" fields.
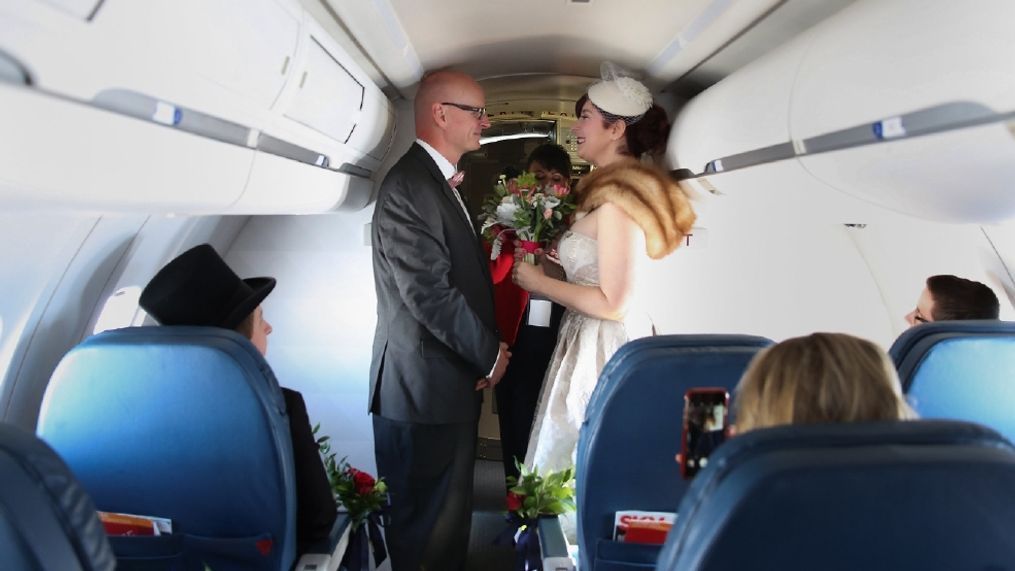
{"x": 522, "y": 209}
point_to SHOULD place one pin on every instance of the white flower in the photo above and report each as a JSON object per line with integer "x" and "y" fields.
{"x": 506, "y": 212}
{"x": 551, "y": 202}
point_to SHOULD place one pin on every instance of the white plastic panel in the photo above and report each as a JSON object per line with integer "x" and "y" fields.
{"x": 957, "y": 176}
{"x": 80, "y": 8}
{"x": 59, "y": 155}
{"x": 778, "y": 276}
{"x": 376, "y": 128}
{"x": 878, "y": 58}
{"x": 903, "y": 255}
{"x": 746, "y": 111}
{"x": 328, "y": 97}
{"x": 784, "y": 192}
{"x": 283, "y": 186}
{"x": 244, "y": 46}
{"x": 232, "y": 66}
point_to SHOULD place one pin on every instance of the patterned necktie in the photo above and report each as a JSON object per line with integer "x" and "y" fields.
{"x": 455, "y": 180}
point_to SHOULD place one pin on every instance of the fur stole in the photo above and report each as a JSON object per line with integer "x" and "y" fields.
{"x": 645, "y": 193}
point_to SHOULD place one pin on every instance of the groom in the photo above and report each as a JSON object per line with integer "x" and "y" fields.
{"x": 436, "y": 345}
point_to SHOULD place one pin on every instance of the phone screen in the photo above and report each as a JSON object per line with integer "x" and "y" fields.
{"x": 705, "y": 417}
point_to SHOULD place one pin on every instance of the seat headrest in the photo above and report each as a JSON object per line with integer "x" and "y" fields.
{"x": 910, "y": 348}
{"x": 915, "y": 495}
{"x": 186, "y": 423}
{"x": 632, "y": 427}
{"x": 960, "y": 370}
{"x": 49, "y": 520}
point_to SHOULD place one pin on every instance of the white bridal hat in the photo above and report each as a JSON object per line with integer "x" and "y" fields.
{"x": 619, "y": 93}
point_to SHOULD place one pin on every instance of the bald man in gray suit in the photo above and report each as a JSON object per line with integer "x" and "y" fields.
{"x": 436, "y": 346}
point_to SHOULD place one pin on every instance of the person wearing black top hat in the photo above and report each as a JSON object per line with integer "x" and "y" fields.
{"x": 199, "y": 288}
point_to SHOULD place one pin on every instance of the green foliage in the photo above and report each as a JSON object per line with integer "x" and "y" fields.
{"x": 535, "y": 495}
{"x": 358, "y": 491}
{"x": 520, "y": 206}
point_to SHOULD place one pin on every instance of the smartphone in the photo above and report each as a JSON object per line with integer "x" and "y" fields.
{"x": 706, "y": 412}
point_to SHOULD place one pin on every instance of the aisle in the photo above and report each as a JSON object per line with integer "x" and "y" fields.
{"x": 488, "y": 520}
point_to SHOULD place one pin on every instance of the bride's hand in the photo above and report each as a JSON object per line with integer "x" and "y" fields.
{"x": 526, "y": 275}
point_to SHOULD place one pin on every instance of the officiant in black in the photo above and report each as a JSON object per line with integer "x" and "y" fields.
{"x": 518, "y": 392}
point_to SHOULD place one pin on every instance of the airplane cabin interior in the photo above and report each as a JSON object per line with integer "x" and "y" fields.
{"x": 836, "y": 153}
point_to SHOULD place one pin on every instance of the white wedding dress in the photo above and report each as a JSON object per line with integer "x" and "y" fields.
{"x": 584, "y": 345}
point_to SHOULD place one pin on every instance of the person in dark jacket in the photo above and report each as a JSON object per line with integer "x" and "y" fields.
{"x": 199, "y": 288}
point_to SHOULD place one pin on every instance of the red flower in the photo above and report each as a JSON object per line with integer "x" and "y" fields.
{"x": 514, "y": 501}
{"x": 364, "y": 482}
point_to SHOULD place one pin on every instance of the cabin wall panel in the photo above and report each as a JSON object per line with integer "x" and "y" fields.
{"x": 34, "y": 251}
{"x": 1002, "y": 241}
{"x": 903, "y": 255}
{"x": 323, "y": 314}
{"x": 58, "y": 272}
{"x": 756, "y": 276}
{"x": 75, "y": 281}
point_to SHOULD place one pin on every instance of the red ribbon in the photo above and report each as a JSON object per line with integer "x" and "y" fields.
{"x": 509, "y": 300}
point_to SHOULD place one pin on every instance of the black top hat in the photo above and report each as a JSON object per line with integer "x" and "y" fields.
{"x": 198, "y": 288}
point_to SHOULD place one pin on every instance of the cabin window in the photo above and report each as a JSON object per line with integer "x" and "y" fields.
{"x": 120, "y": 310}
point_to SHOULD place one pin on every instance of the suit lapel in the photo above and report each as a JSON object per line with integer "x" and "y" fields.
{"x": 446, "y": 190}
{"x": 449, "y": 197}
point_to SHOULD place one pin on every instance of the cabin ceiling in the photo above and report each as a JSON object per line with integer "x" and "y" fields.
{"x": 552, "y": 49}
{"x": 505, "y": 37}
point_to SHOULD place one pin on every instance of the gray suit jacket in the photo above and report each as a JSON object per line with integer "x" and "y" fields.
{"x": 436, "y": 332}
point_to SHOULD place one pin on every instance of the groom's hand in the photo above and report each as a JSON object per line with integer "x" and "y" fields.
{"x": 503, "y": 356}
{"x": 502, "y": 362}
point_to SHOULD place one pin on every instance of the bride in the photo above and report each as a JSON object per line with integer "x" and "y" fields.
{"x": 626, "y": 210}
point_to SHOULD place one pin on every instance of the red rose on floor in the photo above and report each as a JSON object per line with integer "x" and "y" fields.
{"x": 364, "y": 482}
{"x": 514, "y": 502}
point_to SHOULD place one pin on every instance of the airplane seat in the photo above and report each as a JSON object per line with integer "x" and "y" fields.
{"x": 632, "y": 431}
{"x": 960, "y": 370}
{"x": 47, "y": 521}
{"x": 873, "y": 496}
{"x": 185, "y": 423}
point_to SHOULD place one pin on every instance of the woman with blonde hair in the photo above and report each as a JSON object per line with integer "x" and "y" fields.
{"x": 823, "y": 377}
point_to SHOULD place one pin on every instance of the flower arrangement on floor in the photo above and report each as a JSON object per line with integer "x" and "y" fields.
{"x": 530, "y": 496}
{"x": 365, "y": 499}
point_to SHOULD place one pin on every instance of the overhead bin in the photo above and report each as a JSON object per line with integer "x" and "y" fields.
{"x": 258, "y": 79}
{"x": 56, "y": 155}
{"x": 902, "y": 104}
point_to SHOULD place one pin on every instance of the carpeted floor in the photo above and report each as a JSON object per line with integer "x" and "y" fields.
{"x": 488, "y": 511}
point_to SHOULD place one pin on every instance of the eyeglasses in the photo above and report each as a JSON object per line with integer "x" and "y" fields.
{"x": 477, "y": 112}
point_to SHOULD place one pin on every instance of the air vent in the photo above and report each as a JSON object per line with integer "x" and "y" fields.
{"x": 580, "y": 1}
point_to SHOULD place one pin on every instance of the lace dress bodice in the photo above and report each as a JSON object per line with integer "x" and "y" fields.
{"x": 579, "y": 256}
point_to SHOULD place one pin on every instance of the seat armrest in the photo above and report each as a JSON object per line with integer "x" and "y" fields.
{"x": 326, "y": 555}
{"x": 553, "y": 545}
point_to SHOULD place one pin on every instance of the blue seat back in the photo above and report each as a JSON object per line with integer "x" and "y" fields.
{"x": 46, "y": 520}
{"x": 963, "y": 370}
{"x": 896, "y": 495}
{"x": 186, "y": 423}
{"x": 632, "y": 431}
